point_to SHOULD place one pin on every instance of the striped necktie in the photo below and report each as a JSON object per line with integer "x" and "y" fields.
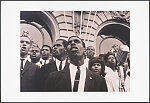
{"x": 77, "y": 78}
{"x": 60, "y": 66}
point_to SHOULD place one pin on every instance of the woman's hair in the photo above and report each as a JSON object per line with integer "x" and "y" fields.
{"x": 107, "y": 55}
{"x": 97, "y": 60}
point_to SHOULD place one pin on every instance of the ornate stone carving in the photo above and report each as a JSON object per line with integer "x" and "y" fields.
{"x": 78, "y": 24}
{"x": 123, "y": 15}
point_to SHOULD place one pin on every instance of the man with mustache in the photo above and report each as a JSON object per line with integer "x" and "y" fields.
{"x": 75, "y": 76}
{"x": 28, "y": 70}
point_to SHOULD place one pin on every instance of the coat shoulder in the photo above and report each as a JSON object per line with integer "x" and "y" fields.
{"x": 33, "y": 66}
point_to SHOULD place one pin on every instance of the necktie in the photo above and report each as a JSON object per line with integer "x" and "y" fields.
{"x": 60, "y": 66}
{"x": 44, "y": 62}
{"x": 77, "y": 78}
{"x": 21, "y": 66}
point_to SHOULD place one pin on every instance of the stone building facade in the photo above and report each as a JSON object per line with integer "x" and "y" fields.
{"x": 102, "y": 29}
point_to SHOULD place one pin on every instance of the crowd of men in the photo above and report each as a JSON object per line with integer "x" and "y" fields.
{"x": 68, "y": 66}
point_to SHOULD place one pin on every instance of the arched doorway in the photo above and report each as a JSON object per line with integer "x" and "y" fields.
{"x": 110, "y": 33}
{"x": 42, "y": 27}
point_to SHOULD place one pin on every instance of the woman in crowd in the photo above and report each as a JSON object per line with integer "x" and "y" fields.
{"x": 97, "y": 65}
{"x": 114, "y": 74}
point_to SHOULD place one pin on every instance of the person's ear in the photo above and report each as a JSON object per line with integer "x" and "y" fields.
{"x": 66, "y": 52}
{"x": 85, "y": 52}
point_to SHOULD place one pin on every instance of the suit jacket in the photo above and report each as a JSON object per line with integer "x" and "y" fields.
{"x": 60, "y": 81}
{"x": 45, "y": 71}
{"x": 48, "y": 68}
{"x": 29, "y": 77}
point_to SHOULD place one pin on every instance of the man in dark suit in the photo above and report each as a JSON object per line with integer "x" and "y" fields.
{"x": 28, "y": 73}
{"x": 59, "y": 59}
{"x": 75, "y": 76}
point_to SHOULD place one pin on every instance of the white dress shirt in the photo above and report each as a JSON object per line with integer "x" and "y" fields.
{"x": 38, "y": 64}
{"x": 58, "y": 63}
{"x": 73, "y": 70}
{"x": 86, "y": 61}
{"x": 43, "y": 61}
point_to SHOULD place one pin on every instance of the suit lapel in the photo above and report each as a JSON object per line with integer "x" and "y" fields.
{"x": 88, "y": 80}
{"x": 26, "y": 67}
{"x": 66, "y": 76}
{"x": 54, "y": 67}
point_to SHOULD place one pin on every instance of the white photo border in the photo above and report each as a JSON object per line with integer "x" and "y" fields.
{"x": 139, "y": 52}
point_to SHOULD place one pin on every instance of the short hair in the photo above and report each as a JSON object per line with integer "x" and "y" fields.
{"x": 97, "y": 60}
{"x": 78, "y": 38}
{"x": 64, "y": 42}
{"x": 48, "y": 47}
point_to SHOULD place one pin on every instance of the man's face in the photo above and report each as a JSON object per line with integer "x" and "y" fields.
{"x": 111, "y": 60}
{"x": 24, "y": 45}
{"x": 96, "y": 67}
{"x": 90, "y": 51}
{"x": 35, "y": 53}
{"x": 58, "y": 48}
{"x": 45, "y": 52}
{"x": 75, "y": 47}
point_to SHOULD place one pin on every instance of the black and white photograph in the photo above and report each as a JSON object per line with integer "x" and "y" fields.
{"x": 63, "y": 41}
{"x": 74, "y": 51}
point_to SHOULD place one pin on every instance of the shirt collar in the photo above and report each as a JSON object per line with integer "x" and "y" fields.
{"x": 75, "y": 67}
{"x": 47, "y": 61}
{"x": 38, "y": 63}
{"x": 58, "y": 61}
{"x": 25, "y": 59}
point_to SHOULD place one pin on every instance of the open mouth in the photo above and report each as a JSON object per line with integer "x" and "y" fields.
{"x": 43, "y": 55}
{"x": 33, "y": 56}
{"x": 95, "y": 70}
{"x": 73, "y": 49}
{"x": 23, "y": 48}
